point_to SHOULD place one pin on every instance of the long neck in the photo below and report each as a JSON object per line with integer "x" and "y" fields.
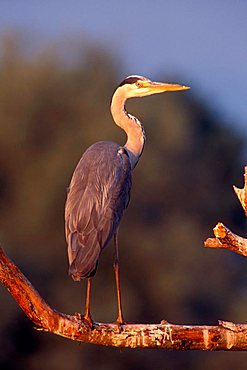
{"x": 133, "y": 128}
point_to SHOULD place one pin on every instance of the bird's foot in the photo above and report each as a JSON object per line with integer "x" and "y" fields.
{"x": 120, "y": 323}
{"x": 87, "y": 319}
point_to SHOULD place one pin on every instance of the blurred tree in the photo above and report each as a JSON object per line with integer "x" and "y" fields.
{"x": 51, "y": 108}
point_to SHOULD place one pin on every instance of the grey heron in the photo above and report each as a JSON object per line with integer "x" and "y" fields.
{"x": 99, "y": 190}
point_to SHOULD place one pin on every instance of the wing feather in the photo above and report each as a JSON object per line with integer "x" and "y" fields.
{"x": 98, "y": 194}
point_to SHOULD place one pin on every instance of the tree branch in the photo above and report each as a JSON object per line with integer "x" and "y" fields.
{"x": 225, "y": 336}
{"x": 242, "y": 193}
{"x": 225, "y": 238}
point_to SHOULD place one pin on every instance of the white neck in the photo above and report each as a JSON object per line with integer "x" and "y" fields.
{"x": 133, "y": 128}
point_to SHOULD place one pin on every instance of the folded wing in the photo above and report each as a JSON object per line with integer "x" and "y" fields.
{"x": 97, "y": 196}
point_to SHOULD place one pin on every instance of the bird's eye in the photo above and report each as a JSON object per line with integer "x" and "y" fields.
{"x": 138, "y": 84}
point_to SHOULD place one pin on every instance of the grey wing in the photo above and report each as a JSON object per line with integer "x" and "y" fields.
{"x": 97, "y": 196}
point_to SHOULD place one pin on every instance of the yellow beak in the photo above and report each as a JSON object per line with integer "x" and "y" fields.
{"x": 160, "y": 87}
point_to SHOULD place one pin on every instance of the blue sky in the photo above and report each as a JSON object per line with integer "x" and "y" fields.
{"x": 202, "y": 42}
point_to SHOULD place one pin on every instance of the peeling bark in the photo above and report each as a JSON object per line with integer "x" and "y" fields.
{"x": 224, "y": 336}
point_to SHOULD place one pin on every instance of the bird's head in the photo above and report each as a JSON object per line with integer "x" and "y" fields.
{"x": 137, "y": 86}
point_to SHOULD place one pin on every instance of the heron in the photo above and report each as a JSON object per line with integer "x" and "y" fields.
{"x": 99, "y": 190}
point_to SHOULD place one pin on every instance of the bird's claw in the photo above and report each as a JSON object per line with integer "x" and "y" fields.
{"x": 120, "y": 324}
{"x": 87, "y": 319}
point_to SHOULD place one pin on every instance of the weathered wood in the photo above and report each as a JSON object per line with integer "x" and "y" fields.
{"x": 225, "y": 238}
{"x": 225, "y": 336}
{"x": 242, "y": 193}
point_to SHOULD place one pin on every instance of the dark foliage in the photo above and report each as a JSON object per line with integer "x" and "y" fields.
{"x": 50, "y": 111}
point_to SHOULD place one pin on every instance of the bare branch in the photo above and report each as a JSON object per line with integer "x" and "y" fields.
{"x": 224, "y": 238}
{"x": 242, "y": 193}
{"x": 225, "y": 336}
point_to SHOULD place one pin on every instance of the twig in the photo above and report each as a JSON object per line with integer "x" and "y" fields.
{"x": 224, "y": 238}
